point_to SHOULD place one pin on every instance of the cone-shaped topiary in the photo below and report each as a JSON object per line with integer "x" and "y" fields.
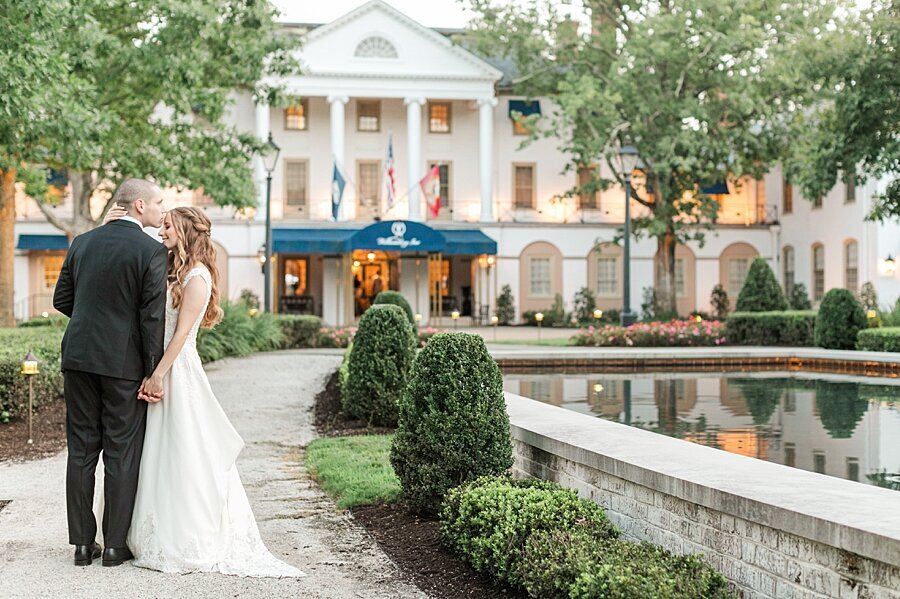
{"x": 761, "y": 291}
{"x": 840, "y": 407}
{"x": 396, "y": 298}
{"x": 453, "y": 422}
{"x": 839, "y": 319}
{"x": 379, "y": 364}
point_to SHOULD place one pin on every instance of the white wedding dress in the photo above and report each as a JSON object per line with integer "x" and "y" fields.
{"x": 191, "y": 513}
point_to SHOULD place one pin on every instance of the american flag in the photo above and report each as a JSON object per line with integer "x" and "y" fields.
{"x": 390, "y": 185}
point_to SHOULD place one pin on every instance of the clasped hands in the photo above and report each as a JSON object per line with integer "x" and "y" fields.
{"x": 151, "y": 389}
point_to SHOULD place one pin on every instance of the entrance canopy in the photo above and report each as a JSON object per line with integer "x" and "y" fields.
{"x": 42, "y": 242}
{"x": 390, "y": 236}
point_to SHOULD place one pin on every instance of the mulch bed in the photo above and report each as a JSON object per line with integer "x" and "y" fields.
{"x": 49, "y": 434}
{"x": 411, "y": 541}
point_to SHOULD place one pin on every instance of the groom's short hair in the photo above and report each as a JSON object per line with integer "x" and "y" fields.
{"x": 135, "y": 189}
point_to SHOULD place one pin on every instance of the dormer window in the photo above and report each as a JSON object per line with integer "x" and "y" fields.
{"x": 375, "y": 47}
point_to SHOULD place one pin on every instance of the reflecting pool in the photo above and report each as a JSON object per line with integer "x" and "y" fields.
{"x": 835, "y": 425}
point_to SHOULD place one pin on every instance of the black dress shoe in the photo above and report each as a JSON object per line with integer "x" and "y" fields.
{"x": 86, "y": 554}
{"x": 116, "y": 556}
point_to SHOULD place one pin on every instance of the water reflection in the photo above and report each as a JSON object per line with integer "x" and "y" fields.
{"x": 835, "y": 427}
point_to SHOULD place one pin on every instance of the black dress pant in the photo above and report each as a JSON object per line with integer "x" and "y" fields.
{"x": 102, "y": 413}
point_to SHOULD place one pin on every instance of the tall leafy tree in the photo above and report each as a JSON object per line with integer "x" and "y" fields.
{"x": 160, "y": 75}
{"x": 39, "y": 108}
{"x": 698, "y": 86}
{"x": 853, "y": 130}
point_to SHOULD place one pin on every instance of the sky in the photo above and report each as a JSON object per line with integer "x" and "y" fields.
{"x": 431, "y": 13}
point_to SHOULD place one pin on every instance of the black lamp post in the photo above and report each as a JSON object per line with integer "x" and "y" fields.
{"x": 270, "y": 161}
{"x": 628, "y": 157}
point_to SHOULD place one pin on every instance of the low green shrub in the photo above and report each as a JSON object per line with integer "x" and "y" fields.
{"x": 798, "y": 297}
{"x": 787, "y": 328}
{"x": 559, "y": 565}
{"x": 44, "y": 342}
{"x": 453, "y": 423}
{"x": 839, "y": 321}
{"x": 761, "y": 291}
{"x": 884, "y": 339}
{"x": 300, "y": 330}
{"x": 56, "y": 320}
{"x": 379, "y": 363}
{"x": 239, "y": 334}
{"x": 344, "y": 374}
{"x": 487, "y": 522}
{"x": 395, "y": 298}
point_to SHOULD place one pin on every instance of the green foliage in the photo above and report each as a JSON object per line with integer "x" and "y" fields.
{"x": 791, "y": 328}
{"x": 487, "y": 522}
{"x": 354, "y": 470}
{"x": 720, "y": 303}
{"x": 798, "y": 297}
{"x": 583, "y": 306}
{"x": 653, "y": 308}
{"x": 239, "y": 334}
{"x": 839, "y": 320}
{"x": 883, "y": 339}
{"x": 453, "y": 422}
{"x": 891, "y": 317}
{"x": 840, "y": 407}
{"x": 249, "y": 298}
{"x": 761, "y": 396}
{"x": 396, "y": 298}
{"x": 559, "y": 565}
{"x": 300, "y": 330}
{"x": 868, "y": 297}
{"x": 506, "y": 306}
{"x": 57, "y": 320}
{"x": 344, "y": 374}
{"x": 379, "y": 363}
{"x": 761, "y": 291}
{"x": 555, "y": 316}
{"x": 44, "y": 343}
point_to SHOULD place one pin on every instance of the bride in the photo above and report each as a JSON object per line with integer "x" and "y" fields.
{"x": 191, "y": 513}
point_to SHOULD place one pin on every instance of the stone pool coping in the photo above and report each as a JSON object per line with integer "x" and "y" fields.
{"x": 812, "y": 359}
{"x": 858, "y": 518}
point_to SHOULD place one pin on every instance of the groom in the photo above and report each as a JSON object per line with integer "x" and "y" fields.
{"x": 112, "y": 285}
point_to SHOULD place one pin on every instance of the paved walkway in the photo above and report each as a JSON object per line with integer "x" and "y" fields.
{"x": 268, "y": 398}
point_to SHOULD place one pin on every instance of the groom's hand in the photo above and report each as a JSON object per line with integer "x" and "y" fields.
{"x": 151, "y": 389}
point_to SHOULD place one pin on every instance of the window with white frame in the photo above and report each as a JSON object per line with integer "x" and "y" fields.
{"x": 851, "y": 266}
{"x": 540, "y": 283}
{"x": 368, "y": 115}
{"x": 439, "y": 117}
{"x": 788, "y": 266}
{"x": 607, "y": 276}
{"x": 737, "y": 274}
{"x": 296, "y": 116}
{"x": 818, "y": 272}
{"x": 295, "y": 176}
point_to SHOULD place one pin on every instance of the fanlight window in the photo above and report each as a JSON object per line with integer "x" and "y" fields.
{"x": 375, "y": 47}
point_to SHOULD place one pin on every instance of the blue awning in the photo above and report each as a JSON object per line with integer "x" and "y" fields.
{"x": 468, "y": 241}
{"x": 311, "y": 241}
{"x": 43, "y": 242}
{"x": 718, "y": 188}
{"x": 398, "y": 236}
{"x": 524, "y": 107}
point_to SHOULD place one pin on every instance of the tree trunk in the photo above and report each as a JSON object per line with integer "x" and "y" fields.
{"x": 665, "y": 272}
{"x": 7, "y": 247}
{"x": 82, "y": 190}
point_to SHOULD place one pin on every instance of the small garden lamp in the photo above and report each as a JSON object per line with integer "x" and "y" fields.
{"x": 871, "y": 314}
{"x": 455, "y": 316}
{"x": 598, "y": 388}
{"x": 598, "y": 314}
{"x": 698, "y": 318}
{"x": 29, "y": 369}
{"x": 417, "y": 318}
{"x": 889, "y": 266}
{"x": 495, "y": 320}
{"x": 261, "y": 256}
{"x": 270, "y": 153}
{"x": 539, "y": 317}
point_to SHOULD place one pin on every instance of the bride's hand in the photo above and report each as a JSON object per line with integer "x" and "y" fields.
{"x": 151, "y": 390}
{"x": 115, "y": 213}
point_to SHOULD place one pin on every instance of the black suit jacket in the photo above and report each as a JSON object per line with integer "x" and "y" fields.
{"x": 112, "y": 285}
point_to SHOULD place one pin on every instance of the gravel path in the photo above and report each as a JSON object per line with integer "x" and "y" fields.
{"x": 269, "y": 399}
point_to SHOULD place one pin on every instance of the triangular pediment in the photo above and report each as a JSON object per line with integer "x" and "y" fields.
{"x": 377, "y": 40}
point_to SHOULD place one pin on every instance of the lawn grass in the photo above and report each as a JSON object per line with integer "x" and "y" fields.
{"x": 354, "y": 471}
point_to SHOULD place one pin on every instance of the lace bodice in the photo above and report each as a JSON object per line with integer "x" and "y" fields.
{"x": 172, "y": 313}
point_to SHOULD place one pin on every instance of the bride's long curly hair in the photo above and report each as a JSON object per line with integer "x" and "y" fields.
{"x": 194, "y": 246}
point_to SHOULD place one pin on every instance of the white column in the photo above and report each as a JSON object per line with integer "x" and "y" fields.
{"x": 337, "y": 144}
{"x": 414, "y": 143}
{"x": 259, "y": 170}
{"x": 485, "y": 156}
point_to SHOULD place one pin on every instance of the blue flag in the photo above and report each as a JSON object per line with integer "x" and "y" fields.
{"x": 337, "y": 192}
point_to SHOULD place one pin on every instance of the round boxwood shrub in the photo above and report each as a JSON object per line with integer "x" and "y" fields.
{"x": 839, "y": 320}
{"x": 453, "y": 422}
{"x": 488, "y": 521}
{"x": 378, "y": 366}
{"x": 761, "y": 291}
{"x": 395, "y": 298}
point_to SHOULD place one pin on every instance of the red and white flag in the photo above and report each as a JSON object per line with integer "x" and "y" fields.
{"x": 431, "y": 189}
{"x": 390, "y": 191}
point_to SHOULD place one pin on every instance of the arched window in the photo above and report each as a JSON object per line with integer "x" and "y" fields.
{"x": 540, "y": 275}
{"x": 818, "y": 266}
{"x": 851, "y": 265}
{"x": 375, "y": 47}
{"x": 734, "y": 262}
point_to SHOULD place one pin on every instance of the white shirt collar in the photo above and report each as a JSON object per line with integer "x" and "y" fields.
{"x": 131, "y": 219}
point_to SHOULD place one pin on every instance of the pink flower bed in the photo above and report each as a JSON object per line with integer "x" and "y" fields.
{"x": 341, "y": 337}
{"x": 675, "y": 333}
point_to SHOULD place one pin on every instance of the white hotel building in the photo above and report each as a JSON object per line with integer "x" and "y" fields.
{"x": 374, "y": 75}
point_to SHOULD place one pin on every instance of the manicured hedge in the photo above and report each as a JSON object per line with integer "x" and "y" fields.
{"x": 787, "y": 328}
{"x": 44, "y": 343}
{"x": 886, "y": 339}
{"x": 395, "y": 298}
{"x": 299, "y": 330}
{"x": 453, "y": 424}
{"x": 56, "y": 320}
{"x": 839, "y": 321}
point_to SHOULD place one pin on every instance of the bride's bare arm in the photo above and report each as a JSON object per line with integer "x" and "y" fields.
{"x": 192, "y": 303}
